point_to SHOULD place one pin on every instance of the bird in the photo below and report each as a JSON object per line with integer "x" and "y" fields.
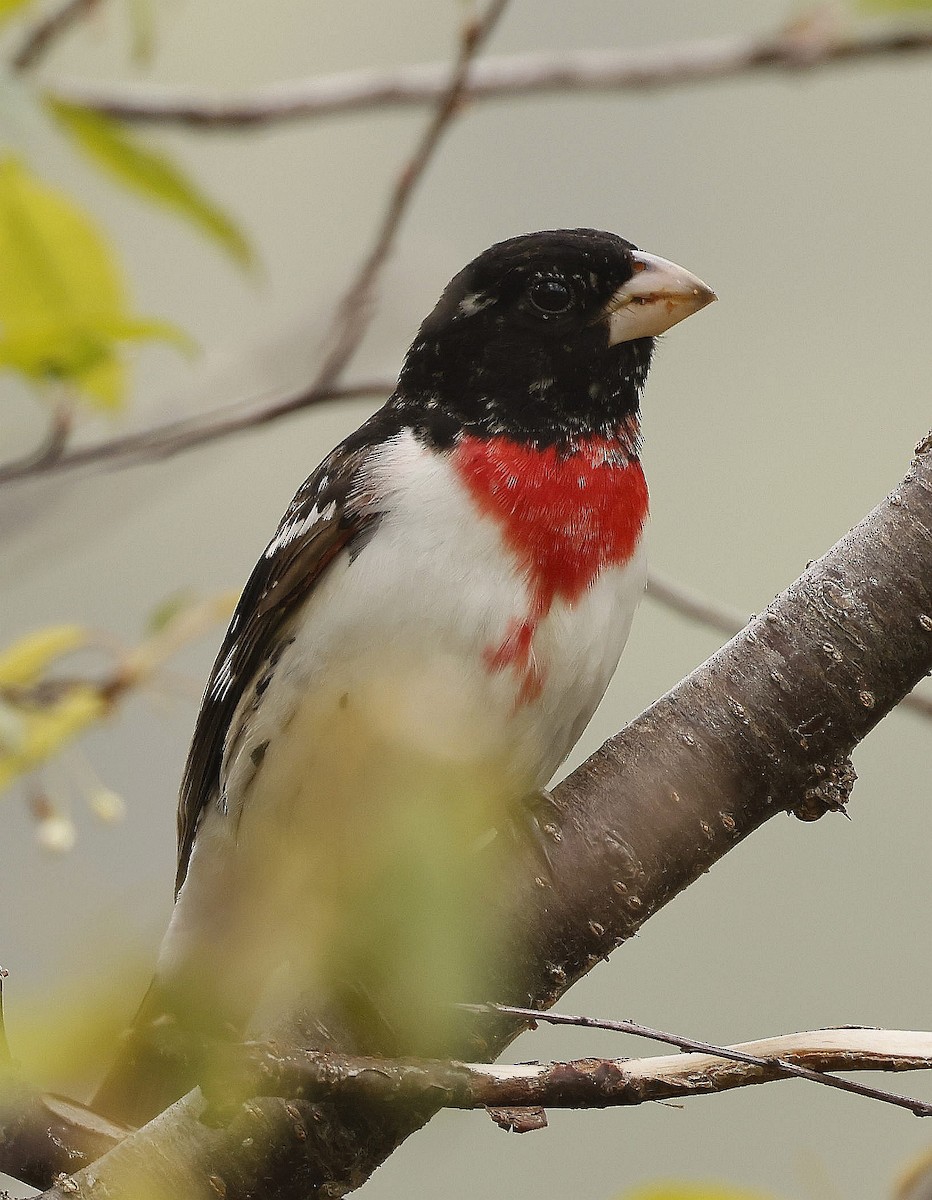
{"x": 418, "y": 649}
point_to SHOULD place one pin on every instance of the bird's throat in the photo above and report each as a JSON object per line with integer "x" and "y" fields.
{"x": 566, "y": 513}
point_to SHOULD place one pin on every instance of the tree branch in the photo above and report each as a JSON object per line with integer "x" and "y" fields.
{"x": 43, "y": 36}
{"x": 725, "y": 618}
{"x": 47, "y": 1135}
{"x": 498, "y": 78}
{"x": 174, "y": 437}
{"x": 268, "y": 1070}
{"x": 762, "y": 727}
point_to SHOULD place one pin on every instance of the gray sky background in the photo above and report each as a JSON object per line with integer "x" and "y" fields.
{"x": 773, "y": 422}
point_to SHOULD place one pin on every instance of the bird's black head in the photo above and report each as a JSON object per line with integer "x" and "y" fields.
{"x": 545, "y": 337}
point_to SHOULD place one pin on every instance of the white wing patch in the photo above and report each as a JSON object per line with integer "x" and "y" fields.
{"x": 297, "y": 526}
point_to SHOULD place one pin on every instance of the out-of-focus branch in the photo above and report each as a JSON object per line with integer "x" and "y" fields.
{"x": 498, "y": 78}
{"x": 723, "y": 618}
{"x": 174, "y": 437}
{"x": 726, "y": 619}
{"x": 43, "y": 36}
{"x": 45, "y": 1136}
{"x": 764, "y": 726}
{"x": 354, "y": 312}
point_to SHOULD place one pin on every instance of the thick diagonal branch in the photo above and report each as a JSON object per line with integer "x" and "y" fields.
{"x": 764, "y": 726}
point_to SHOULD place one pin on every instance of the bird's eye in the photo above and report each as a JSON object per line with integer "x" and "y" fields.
{"x": 550, "y": 295}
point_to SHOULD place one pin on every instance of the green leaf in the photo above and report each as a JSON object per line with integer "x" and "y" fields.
{"x": 46, "y": 730}
{"x": 168, "y": 610}
{"x": 63, "y": 307}
{"x": 9, "y": 8}
{"x": 149, "y": 172}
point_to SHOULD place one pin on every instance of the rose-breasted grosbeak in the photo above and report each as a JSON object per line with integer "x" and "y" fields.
{"x": 429, "y": 630}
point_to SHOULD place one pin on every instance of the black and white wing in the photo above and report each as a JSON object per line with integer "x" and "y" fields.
{"x": 327, "y": 515}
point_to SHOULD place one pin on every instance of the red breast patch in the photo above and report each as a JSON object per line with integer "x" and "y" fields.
{"x": 565, "y": 516}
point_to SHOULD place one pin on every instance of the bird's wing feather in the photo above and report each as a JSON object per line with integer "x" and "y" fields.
{"x": 327, "y": 514}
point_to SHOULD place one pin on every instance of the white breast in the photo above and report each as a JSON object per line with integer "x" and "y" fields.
{"x": 406, "y": 629}
{"x": 387, "y": 703}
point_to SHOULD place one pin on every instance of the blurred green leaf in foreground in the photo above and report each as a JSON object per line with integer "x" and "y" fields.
{"x": 63, "y": 305}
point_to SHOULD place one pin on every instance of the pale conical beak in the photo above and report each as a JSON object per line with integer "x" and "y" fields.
{"x": 656, "y": 297}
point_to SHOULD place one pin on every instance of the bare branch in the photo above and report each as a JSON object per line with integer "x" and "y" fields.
{"x": 47, "y": 1134}
{"x": 269, "y": 1070}
{"x": 353, "y": 314}
{"x": 732, "y": 1053}
{"x": 43, "y": 36}
{"x": 498, "y": 78}
{"x": 174, "y": 437}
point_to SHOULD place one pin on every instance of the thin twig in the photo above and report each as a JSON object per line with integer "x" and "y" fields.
{"x": 241, "y": 1072}
{"x": 6, "y": 1058}
{"x": 498, "y": 78}
{"x": 55, "y": 442}
{"x": 781, "y": 1065}
{"x": 726, "y": 619}
{"x": 354, "y": 312}
{"x": 174, "y": 437}
{"x": 42, "y": 36}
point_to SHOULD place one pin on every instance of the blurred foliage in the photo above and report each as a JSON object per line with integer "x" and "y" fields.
{"x": 62, "y": 1033}
{"x": 45, "y": 728}
{"x": 31, "y": 729}
{"x": 166, "y": 611}
{"x": 64, "y": 313}
{"x": 149, "y": 172}
{"x": 10, "y": 8}
{"x": 22, "y": 663}
{"x": 41, "y": 713}
{"x": 63, "y": 307}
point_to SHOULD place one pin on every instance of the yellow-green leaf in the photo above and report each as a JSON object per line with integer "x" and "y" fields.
{"x": 23, "y": 662}
{"x": 168, "y": 610}
{"x": 63, "y": 307}
{"x": 46, "y": 729}
{"x": 149, "y": 172}
{"x": 9, "y": 8}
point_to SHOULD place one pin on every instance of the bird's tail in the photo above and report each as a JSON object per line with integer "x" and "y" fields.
{"x": 160, "y": 1058}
